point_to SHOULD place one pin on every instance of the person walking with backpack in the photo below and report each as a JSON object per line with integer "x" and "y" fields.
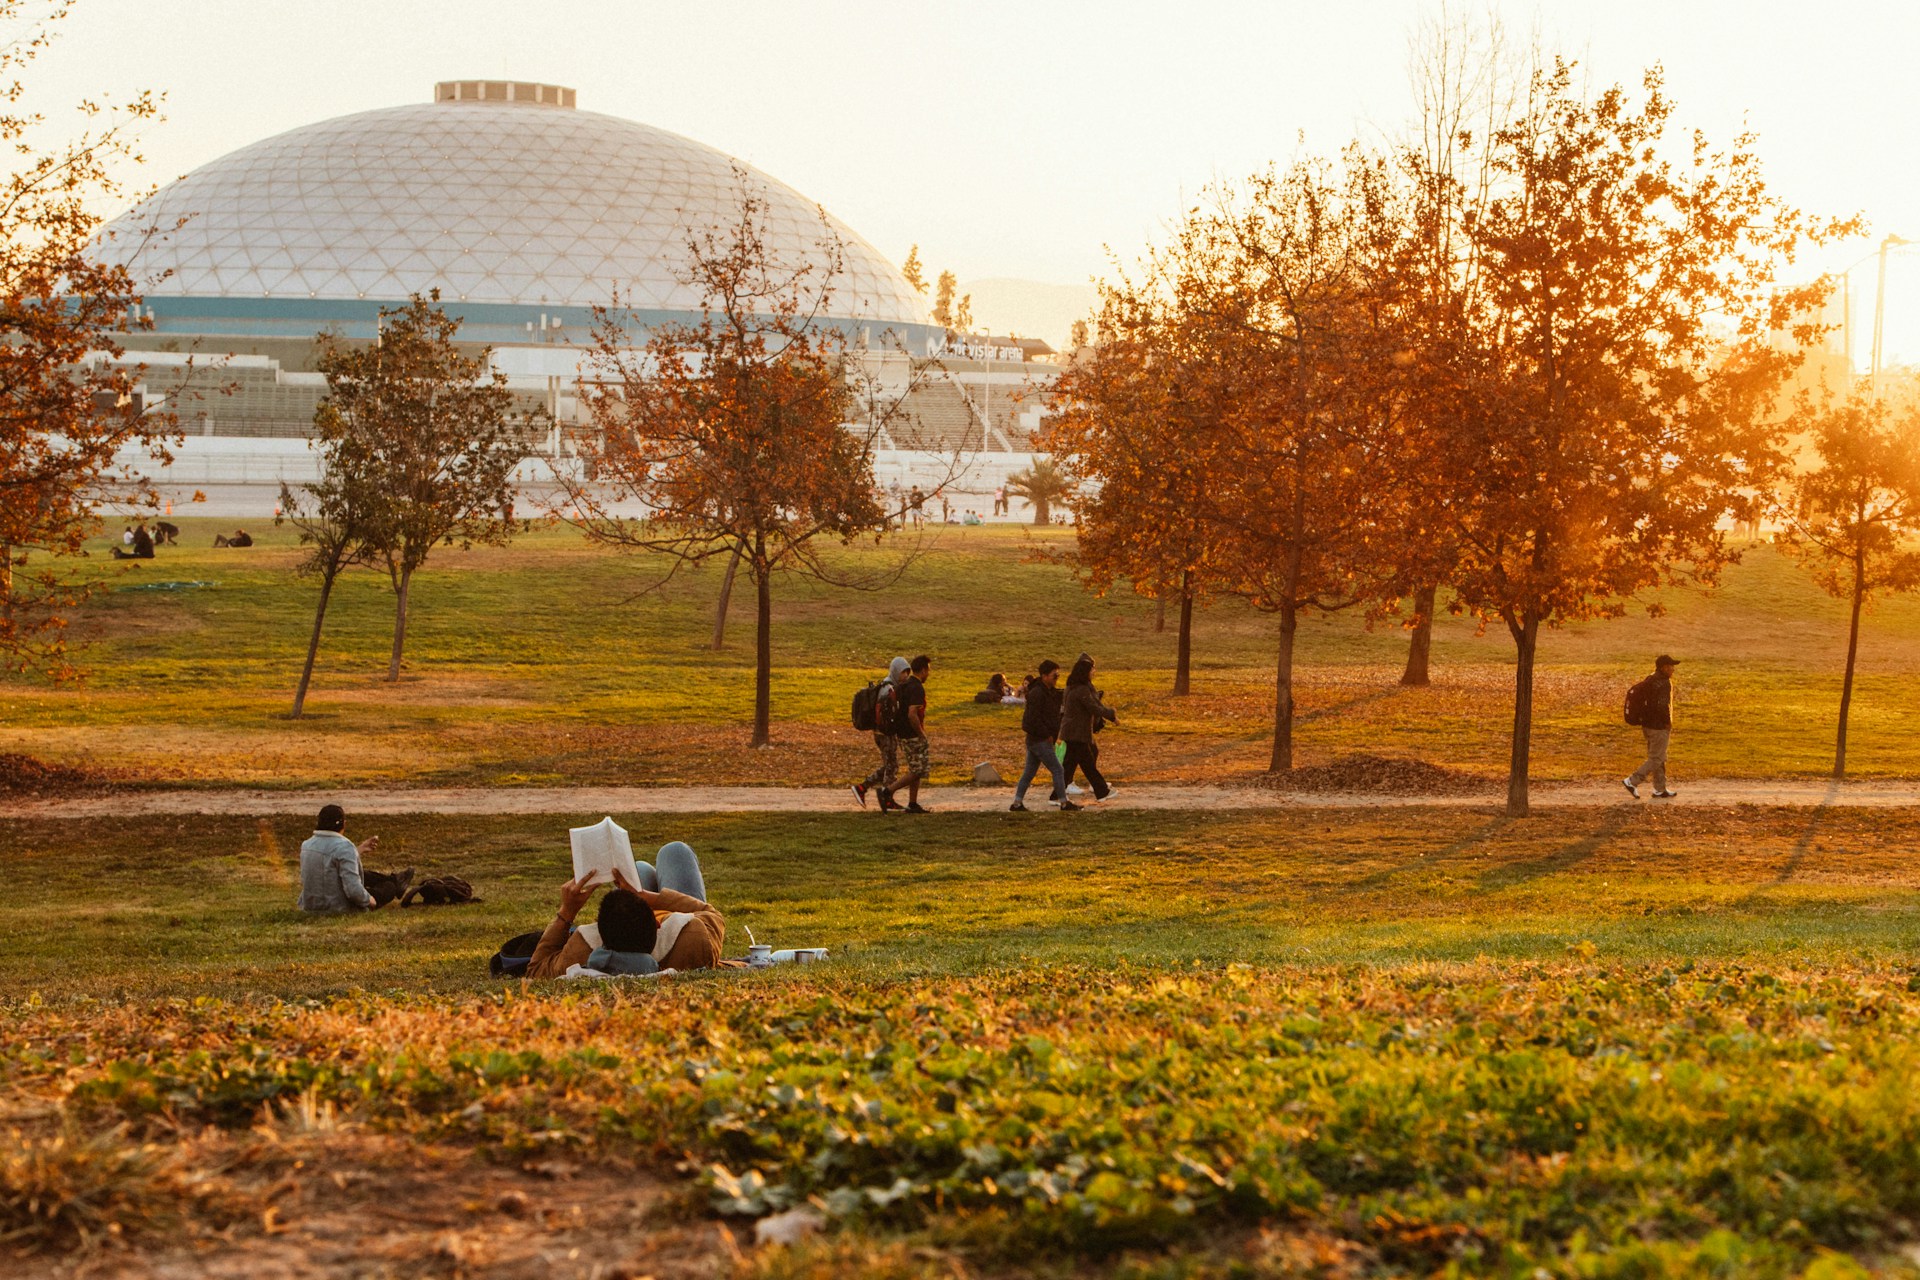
{"x": 1040, "y": 722}
{"x": 874, "y": 709}
{"x": 1650, "y": 706}
{"x": 1081, "y": 710}
{"x": 910, "y": 727}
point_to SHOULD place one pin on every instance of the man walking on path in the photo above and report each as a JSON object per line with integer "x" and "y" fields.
{"x": 884, "y": 740}
{"x": 1041, "y": 724}
{"x": 1650, "y": 705}
{"x": 910, "y": 727}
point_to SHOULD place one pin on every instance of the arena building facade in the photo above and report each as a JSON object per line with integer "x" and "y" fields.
{"x": 526, "y": 214}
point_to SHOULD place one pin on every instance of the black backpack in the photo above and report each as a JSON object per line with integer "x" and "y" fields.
{"x": 1635, "y": 708}
{"x": 866, "y": 705}
{"x": 511, "y": 960}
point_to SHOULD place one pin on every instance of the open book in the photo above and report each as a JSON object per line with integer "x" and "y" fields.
{"x": 599, "y": 851}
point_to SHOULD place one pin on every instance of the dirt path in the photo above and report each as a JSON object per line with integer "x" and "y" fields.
{"x": 586, "y": 802}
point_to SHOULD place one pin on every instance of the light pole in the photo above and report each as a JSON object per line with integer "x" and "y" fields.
{"x": 1880, "y": 312}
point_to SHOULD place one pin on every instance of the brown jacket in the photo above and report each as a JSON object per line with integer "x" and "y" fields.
{"x": 698, "y": 946}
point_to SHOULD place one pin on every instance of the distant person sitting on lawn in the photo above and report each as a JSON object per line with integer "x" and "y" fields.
{"x": 330, "y": 866}
{"x": 240, "y": 538}
{"x": 996, "y": 690}
{"x": 141, "y": 547}
{"x": 662, "y": 923}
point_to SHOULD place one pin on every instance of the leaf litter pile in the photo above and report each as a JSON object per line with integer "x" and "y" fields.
{"x": 23, "y": 777}
{"x": 1484, "y": 1119}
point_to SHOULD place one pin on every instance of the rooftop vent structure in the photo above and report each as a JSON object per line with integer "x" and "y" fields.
{"x": 510, "y": 92}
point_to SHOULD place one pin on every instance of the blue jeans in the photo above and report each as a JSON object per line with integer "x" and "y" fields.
{"x": 1039, "y": 754}
{"x": 675, "y": 867}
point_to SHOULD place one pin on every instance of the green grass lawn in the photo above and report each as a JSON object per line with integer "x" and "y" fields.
{"x": 537, "y": 664}
{"x": 1394, "y": 1042}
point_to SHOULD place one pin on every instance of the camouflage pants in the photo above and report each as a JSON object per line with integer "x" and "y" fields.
{"x": 916, "y": 750}
{"x": 889, "y": 769}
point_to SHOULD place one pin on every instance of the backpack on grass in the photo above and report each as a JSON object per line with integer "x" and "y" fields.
{"x": 511, "y": 960}
{"x": 1634, "y": 711}
{"x": 440, "y": 891}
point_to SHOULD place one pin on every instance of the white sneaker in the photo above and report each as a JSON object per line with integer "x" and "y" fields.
{"x": 1074, "y": 789}
{"x": 1111, "y": 793}
{"x": 1631, "y": 789}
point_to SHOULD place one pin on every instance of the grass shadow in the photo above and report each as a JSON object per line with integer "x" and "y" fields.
{"x": 1561, "y": 860}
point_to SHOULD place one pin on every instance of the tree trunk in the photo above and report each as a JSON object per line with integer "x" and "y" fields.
{"x": 1183, "y": 653}
{"x": 1282, "y": 760}
{"x": 313, "y": 644}
{"x": 726, "y": 598}
{"x": 6, "y": 582}
{"x": 402, "y": 590}
{"x": 762, "y": 658}
{"x": 1042, "y": 511}
{"x": 1853, "y": 650}
{"x": 1160, "y": 613}
{"x": 1526, "y": 637}
{"x": 1420, "y": 644}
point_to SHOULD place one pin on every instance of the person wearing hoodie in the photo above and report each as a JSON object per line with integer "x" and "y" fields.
{"x": 1080, "y": 714}
{"x": 1041, "y": 724}
{"x": 884, "y": 741}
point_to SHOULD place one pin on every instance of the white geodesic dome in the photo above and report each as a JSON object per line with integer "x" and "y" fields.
{"x": 505, "y": 195}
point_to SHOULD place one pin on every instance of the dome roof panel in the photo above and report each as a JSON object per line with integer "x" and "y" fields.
{"x": 515, "y": 202}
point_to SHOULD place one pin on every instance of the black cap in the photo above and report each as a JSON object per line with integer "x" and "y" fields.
{"x": 1666, "y": 660}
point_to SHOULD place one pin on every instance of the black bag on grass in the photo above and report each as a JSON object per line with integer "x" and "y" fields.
{"x": 440, "y": 891}
{"x": 510, "y": 961}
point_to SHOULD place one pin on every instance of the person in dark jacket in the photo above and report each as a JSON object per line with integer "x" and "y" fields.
{"x": 1079, "y": 713}
{"x": 1040, "y": 722}
{"x": 1656, "y": 722}
{"x": 142, "y": 545}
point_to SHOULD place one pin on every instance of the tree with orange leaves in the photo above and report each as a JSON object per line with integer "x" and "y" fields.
{"x": 1241, "y": 407}
{"x": 1294, "y": 292}
{"x": 1610, "y": 380}
{"x": 1853, "y": 517}
{"x": 1131, "y": 428}
{"x": 749, "y": 434}
{"x": 69, "y": 419}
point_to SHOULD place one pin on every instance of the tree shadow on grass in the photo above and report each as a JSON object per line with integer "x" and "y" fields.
{"x": 1801, "y": 847}
{"x": 1378, "y": 880}
{"x": 1565, "y": 858}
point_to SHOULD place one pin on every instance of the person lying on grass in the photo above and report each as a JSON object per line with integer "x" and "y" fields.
{"x": 662, "y": 923}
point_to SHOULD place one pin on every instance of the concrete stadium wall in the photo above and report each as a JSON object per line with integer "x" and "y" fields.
{"x": 240, "y": 477}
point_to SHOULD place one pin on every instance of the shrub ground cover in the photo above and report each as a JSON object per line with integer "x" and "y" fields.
{"x": 1392, "y": 1042}
{"x": 533, "y": 664}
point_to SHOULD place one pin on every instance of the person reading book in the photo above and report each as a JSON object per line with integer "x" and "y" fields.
{"x": 656, "y": 919}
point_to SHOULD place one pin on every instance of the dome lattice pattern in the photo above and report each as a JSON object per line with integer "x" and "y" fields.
{"x": 489, "y": 203}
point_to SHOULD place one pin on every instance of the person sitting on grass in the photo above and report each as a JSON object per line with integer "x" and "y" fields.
{"x": 662, "y": 923}
{"x": 140, "y": 548}
{"x": 330, "y": 866}
{"x": 996, "y": 690}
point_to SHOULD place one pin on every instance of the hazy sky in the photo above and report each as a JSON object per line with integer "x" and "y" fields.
{"x": 1017, "y": 139}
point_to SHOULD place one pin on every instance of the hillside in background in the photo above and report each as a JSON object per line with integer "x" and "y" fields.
{"x": 1029, "y": 308}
